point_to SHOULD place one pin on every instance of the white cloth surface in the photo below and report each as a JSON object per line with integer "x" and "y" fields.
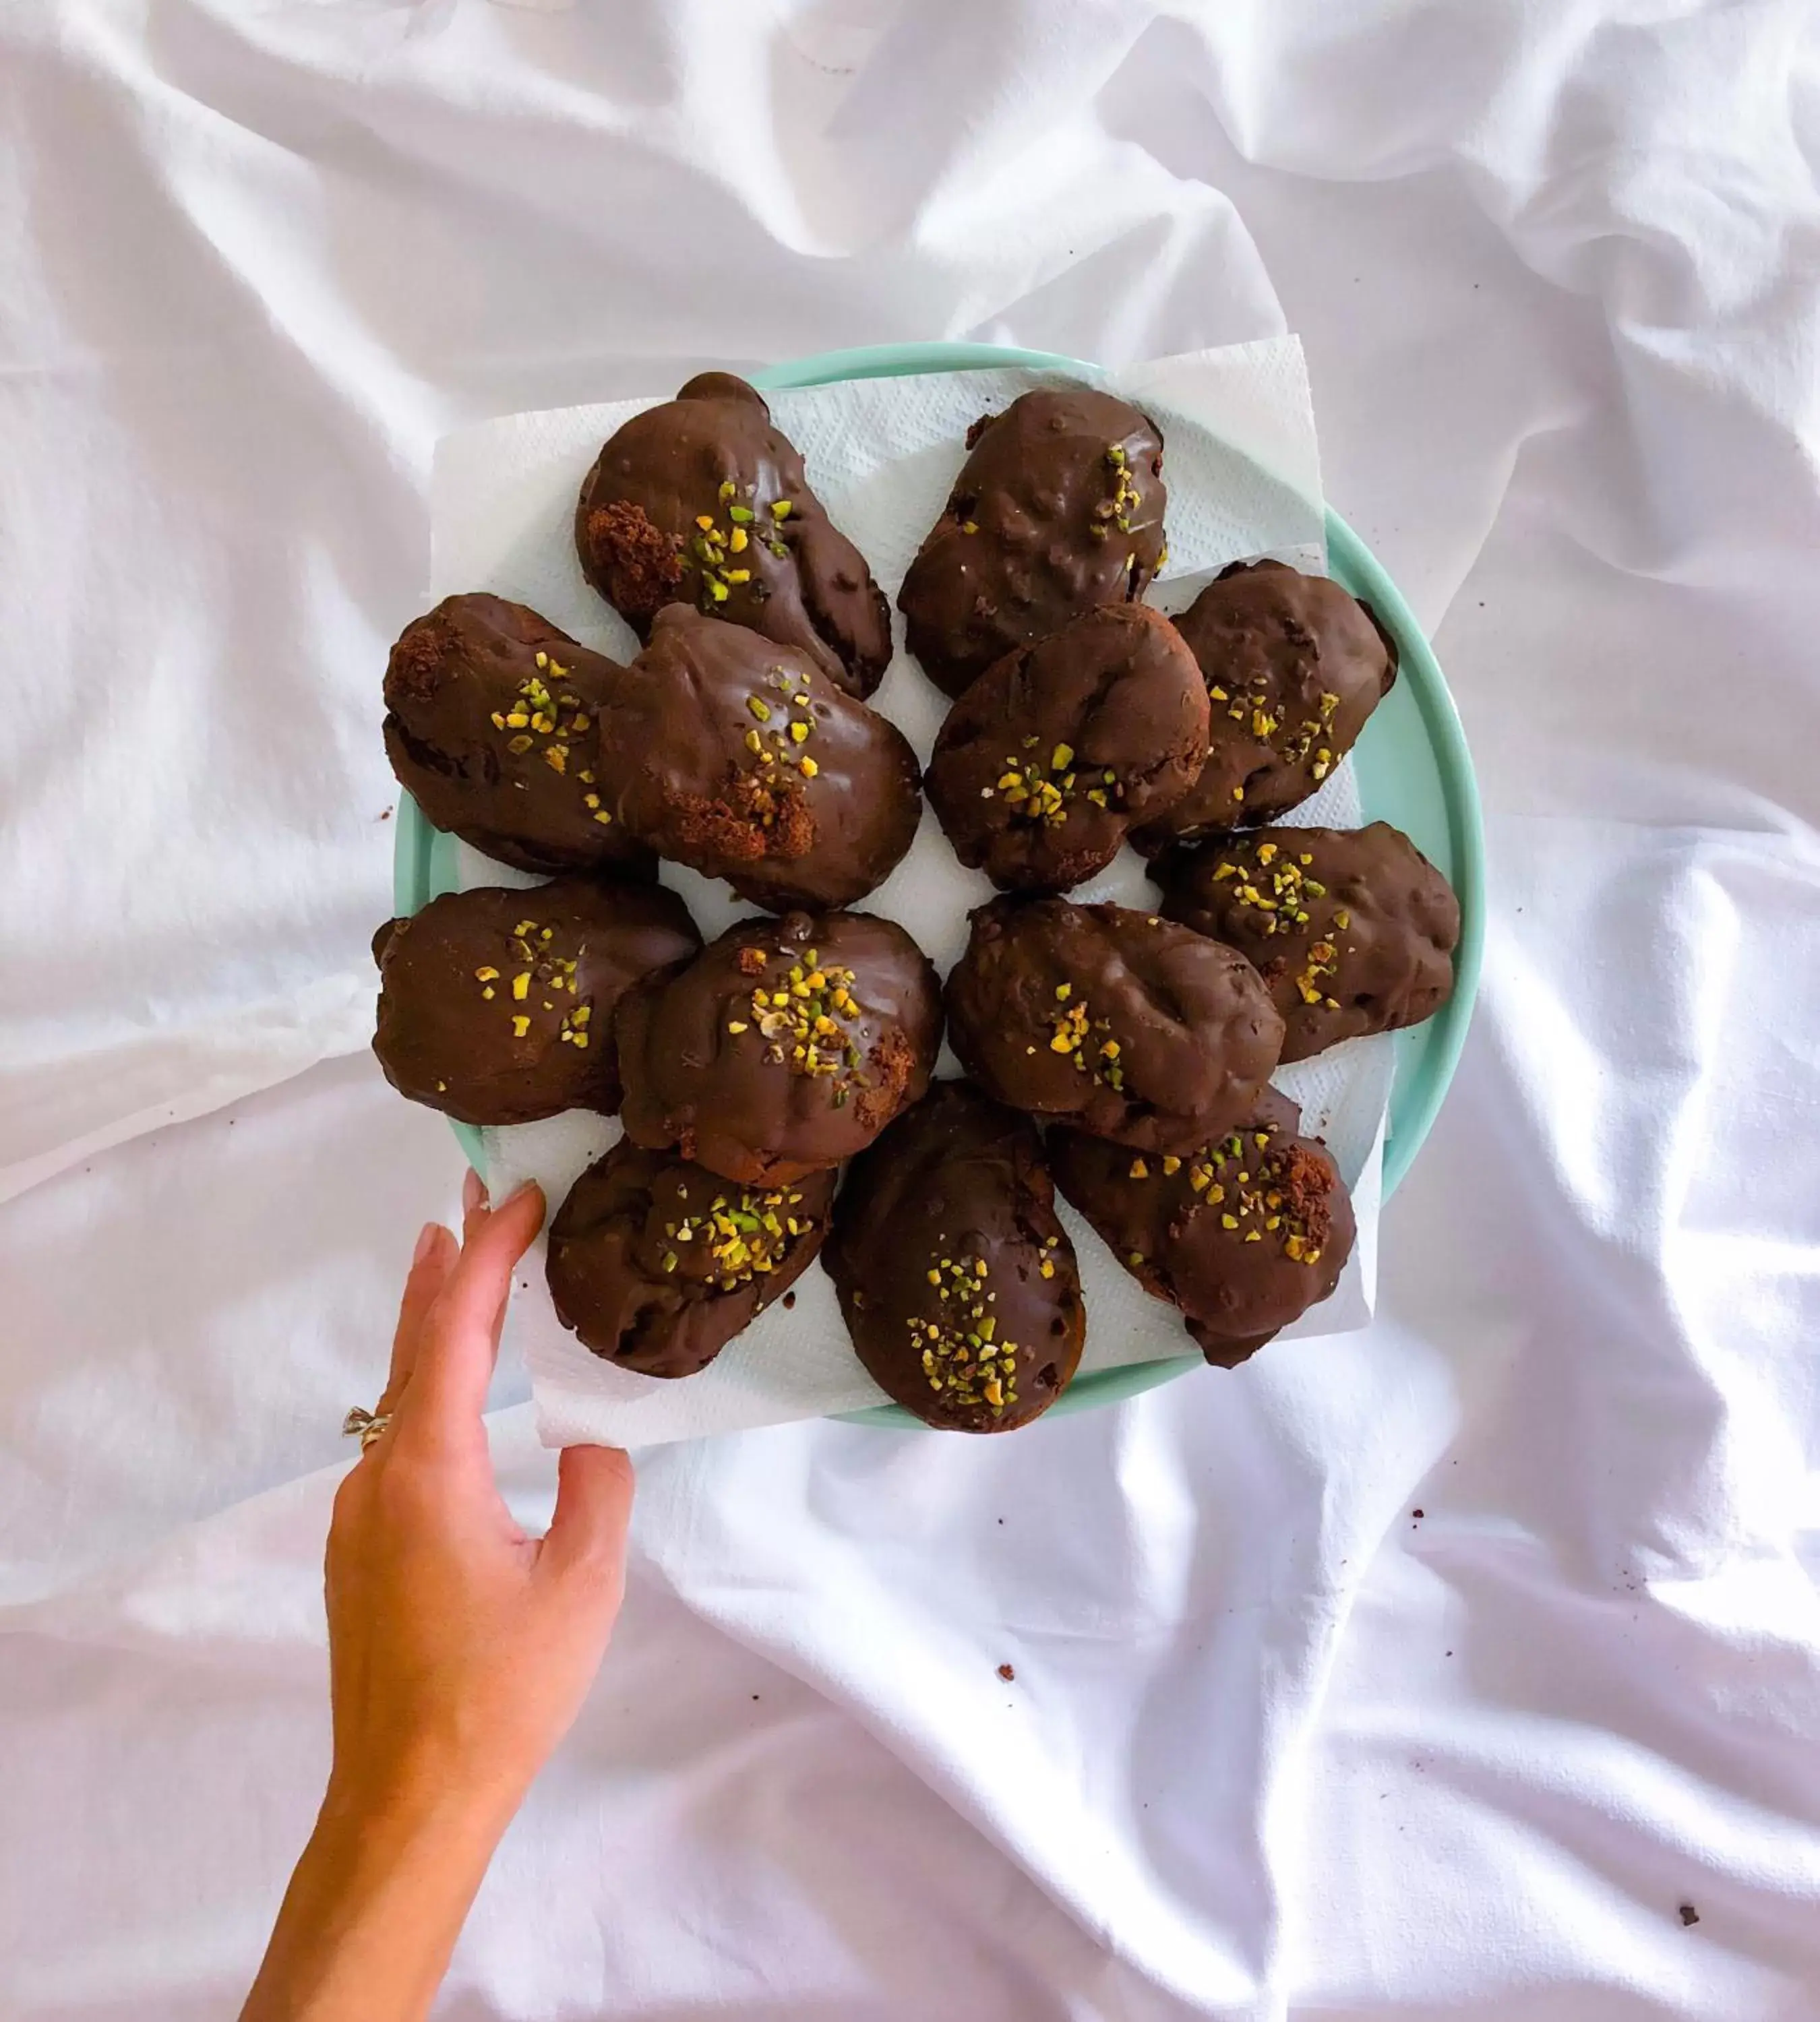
{"x": 883, "y": 453}
{"x": 1277, "y": 1746}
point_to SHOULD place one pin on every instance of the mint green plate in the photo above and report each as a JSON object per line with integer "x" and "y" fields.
{"x": 1413, "y": 768}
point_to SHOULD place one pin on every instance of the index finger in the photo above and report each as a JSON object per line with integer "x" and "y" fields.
{"x": 460, "y": 1337}
{"x": 430, "y": 1267}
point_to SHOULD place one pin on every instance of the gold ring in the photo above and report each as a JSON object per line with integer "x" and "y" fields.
{"x": 365, "y": 1426}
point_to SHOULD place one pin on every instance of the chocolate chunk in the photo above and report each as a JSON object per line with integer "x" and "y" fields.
{"x": 1244, "y": 1234}
{"x": 1058, "y": 508}
{"x": 490, "y": 727}
{"x": 1124, "y": 1023}
{"x": 742, "y": 759}
{"x": 702, "y": 501}
{"x": 957, "y": 1281}
{"x": 497, "y": 1006}
{"x": 1294, "y": 667}
{"x": 785, "y": 1047}
{"x": 656, "y": 1264}
{"x": 1056, "y": 750}
{"x": 1353, "y": 930}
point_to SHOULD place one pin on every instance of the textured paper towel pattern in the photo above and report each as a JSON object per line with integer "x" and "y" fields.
{"x": 1244, "y": 480}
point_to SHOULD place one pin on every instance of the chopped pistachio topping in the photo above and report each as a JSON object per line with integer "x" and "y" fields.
{"x": 1323, "y": 961}
{"x": 713, "y": 543}
{"x": 806, "y": 1016}
{"x": 1085, "y": 1040}
{"x": 547, "y": 710}
{"x": 964, "y": 1362}
{"x": 744, "y": 1233}
{"x": 1262, "y": 1189}
{"x": 1252, "y": 710}
{"x": 779, "y": 743}
{"x": 553, "y": 976}
{"x": 1274, "y": 885}
{"x": 1036, "y": 792}
{"x": 1116, "y": 510}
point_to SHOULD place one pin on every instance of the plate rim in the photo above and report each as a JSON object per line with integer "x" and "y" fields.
{"x": 1423, "y": 1083}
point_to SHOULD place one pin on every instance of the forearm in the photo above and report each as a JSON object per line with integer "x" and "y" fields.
{"x": 373, "y": 1909}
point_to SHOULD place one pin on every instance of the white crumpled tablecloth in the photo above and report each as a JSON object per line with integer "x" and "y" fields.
{"x": 1454, "y": 1670}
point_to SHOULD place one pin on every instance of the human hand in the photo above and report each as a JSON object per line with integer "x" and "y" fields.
{"x": 460, "y": 1649}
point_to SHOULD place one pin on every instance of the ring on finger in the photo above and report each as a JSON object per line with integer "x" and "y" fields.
{"x": 365, "y": 1426}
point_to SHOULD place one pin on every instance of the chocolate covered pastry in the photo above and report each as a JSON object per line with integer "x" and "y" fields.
{"x": 741, "y": 759}
{"x": 1353, "y": 930}
{"x": 1053, "y": 753}
{"x": 1132, "y": 1026}
{"x": 1293, "y": 666}
{"x": 491, "y": 726}
{"x": 1058, "y": 508}
{"x": 496, "y": 1006}
{"x": 702, "y": 501}
{"x": 785, "y": 1047}
{"x": 1242, "y": 1234}
{"x": 957, "y": 1281}
{"x": 656, "y": 1264}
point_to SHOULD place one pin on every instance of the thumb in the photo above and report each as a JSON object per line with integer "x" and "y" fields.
{"x": 593, "y": 1506}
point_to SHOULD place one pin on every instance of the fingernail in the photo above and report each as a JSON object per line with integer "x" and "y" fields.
{"x": 426, "y": 1242}
{"x": 473, "y": 1193}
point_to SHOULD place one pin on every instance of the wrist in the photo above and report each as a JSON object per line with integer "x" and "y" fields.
{"x": 379, "y": 1897}
{"x": 388, "y": 1816}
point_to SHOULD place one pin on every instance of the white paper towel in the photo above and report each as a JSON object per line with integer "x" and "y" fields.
{"x": 1244, "y": 478}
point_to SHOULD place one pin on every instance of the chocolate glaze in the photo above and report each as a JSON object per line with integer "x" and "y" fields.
{"x": 1134, "y": 1028}
{"x": 712, "y": 453}
{"x": 656, "y": 1264}
{"x": 703, "y": 1073}
{"x": 741, "y": 759}
{"x": 1196, "y": 1229}
{"x": 958, "y": 1283}
{"x": 476, "y": 729}
{"x": 453, "y": 1031}
{"x": 1353, "y": 930}
{"x": 1294, "y": 667}
{"x": 1057, "y": 508}
{"x": 1057, "y": 749}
